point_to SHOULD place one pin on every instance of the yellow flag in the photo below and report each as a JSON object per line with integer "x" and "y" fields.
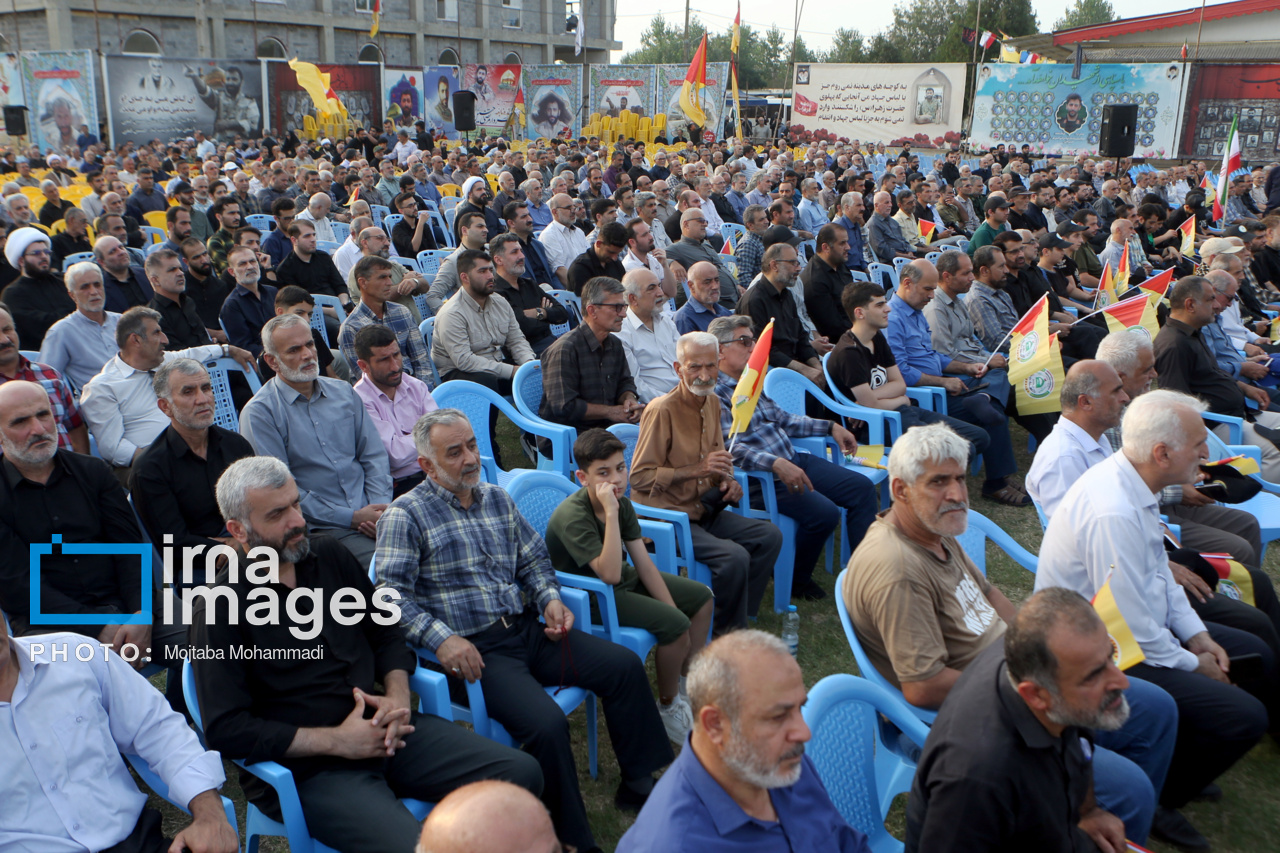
{"x": 316, "y": 84}
{"x": 747, "y": 392}
{"x": 1125, "y": 650}
{"x": 867, "y": 456}
{"x": 1035, "y": 363}
{"x": 1234, "y": 580}
{"x": 1275, "y": 330}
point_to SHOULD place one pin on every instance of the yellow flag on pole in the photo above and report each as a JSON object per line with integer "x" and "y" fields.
{"x": 1188, "y": 229}
{"x": 1035, "y": 362}
{"x": 1107, "y": 293}
{"x": 1125, "y": 650}
{"x": 1134, "y": 313}
{"x": 316, "y": 84}
{"x": 1234, "y": 580}
{"x": 747, "y": 394}
{"x": 695, "y": 80}
{"x": 867, "y": 456}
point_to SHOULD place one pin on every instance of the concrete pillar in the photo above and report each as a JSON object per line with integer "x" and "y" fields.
{"x": 58, "y": 21}
{"x": 328, "y": 47}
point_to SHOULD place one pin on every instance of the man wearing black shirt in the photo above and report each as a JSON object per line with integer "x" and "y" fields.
{"x": 313, "y": 270}
{"x": 73, "y": 239}
{"x": 1020, "y": 217}
{"x": 1055, "y": 665}
{"x": 600, "y": 259}
{"x": 173, "y": 480}
{"x": 38, "y": 298}
{"x": 125, "y": 283}
{"x": 536, "y": 265}
{"x": 535, "y": 311}
{"x": 206, "y": 290}
{"x": 413, "y": 233}
{"x": 770, "y": 299}
{"x": 1185, "y": 364}
{"x": 825, "y": 278}
{"x": 352, "y": 751}
{"x": 179, "y": 319}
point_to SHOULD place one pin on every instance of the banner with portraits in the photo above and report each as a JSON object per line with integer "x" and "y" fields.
{"x": 670, "y": 84}
{"x": 552, "y": 96}
{"x": 154, "y": 97}
{"x": 402, "y": 101}
{"x": 614, "y": 88}
{"x": 1248, "y": 93}
{"x": 439, "y": 84}
{"x": 900, "y": 103}
{"x": 62, "y": 95}
{"x": 359, "y": 87}
{"x": 1045, "y": 107}
{"x": 495, "y": 88}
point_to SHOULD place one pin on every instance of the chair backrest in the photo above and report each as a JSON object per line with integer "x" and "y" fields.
{"x": 448, "y": 202}
{"x": 262, "y": 221}
{"x": 429, "y": 261}
{"x": 328, "y": 246}
{"x": 30, "y": 354}
{"x": 974, "y": 542}
{"x": 932, "y": 257}
{"x": 526, "y": 388}
{"x": 420, "y": 302}
{"x": 537, "y": 494}
{"x": 391, "y": 220}
{"x": 629, "y": 435}
{"x": 426, "y": 328}
{"x": 75, "y": 258}
{"x": 341, "y": 230}
{"x": 571, "y": 302}
{"x": 323, "y": 301}
{"x": 732, "y": 232}
{"x": 380, "y": 212}
{"x": 884, "y": 275}
{"x": 899, "y": 263}
{"x": 808, "y": 249}
{"x": 438, "y": 223}
{"x": 157, "y": 235}
{"x": 224, "y": 410}
{"x": 475, "y": 401}
{"x": 155, "y": 218}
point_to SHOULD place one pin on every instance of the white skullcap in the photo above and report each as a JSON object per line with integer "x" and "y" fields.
{"x": 19, "y": 242}
{"x": 471, "y": 182}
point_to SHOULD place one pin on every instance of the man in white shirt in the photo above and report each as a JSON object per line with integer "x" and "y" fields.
{"x": 647, "y": 211}
{"x": 562, "y": 239}
{"x": 1107, "y": 530}
{"x": 403, "y": 148}
{"x": 643, "y": 253}
{"x": 317, "y": 213}
{"x": 1093, "y": 399}
{"x": 349, "y": 252}
{"x": 77, "y": 793}
{"x": 648, "y": 336}
{"x": 79, "y": 344}
{"x": 120, "y": 403}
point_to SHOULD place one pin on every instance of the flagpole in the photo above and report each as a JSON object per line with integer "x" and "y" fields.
{"x": 977, "y": 37}
{"x": 1100, "y": 310}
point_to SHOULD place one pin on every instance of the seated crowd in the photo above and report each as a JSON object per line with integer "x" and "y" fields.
{"x": 239, "y": 390}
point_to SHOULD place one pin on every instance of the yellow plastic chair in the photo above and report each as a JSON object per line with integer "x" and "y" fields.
{"x": 156, "y": 219}
{"x": 309, "y": 126}
{"x": 451, "y": 190}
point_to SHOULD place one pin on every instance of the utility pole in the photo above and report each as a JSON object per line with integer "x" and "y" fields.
{"x": 686, "y": 31}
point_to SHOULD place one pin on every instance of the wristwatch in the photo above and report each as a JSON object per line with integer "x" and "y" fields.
{"x": 225, "y": 352}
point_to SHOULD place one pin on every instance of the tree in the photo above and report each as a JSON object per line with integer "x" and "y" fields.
{"x": 847, "y": 46}
{"x": 920, "y": 27}
{"x": 1086, "y": 12}
{"x": 662, "y": 43}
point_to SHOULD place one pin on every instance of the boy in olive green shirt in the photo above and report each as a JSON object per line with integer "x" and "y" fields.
{"x": 589, "y": 534}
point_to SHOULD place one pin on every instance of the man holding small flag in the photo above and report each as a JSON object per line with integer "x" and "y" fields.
{"x": 1107, "y": 528}
{"x": 810, "y": 490}
{"x": 680, "y": 463}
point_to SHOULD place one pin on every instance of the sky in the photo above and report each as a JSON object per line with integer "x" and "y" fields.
{"x": 820, "y": 18}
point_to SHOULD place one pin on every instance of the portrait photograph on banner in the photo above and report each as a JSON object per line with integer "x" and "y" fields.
{"x": 670, "y": 84}
{"x": 1248, "y": 93}
{"x": 439, "y": 84}
{"x": 553, "y": 94}
{"x": 495, "y": 88}
{"x": 917, "y": 104}
{"x": 357, "y": 86}
{"x": 62, "y": 94}
{"x": 153, "y": 97}
{"x": 1045, "y": 107}
{"x": 615, "y": 88}
{"x": 402, "y": 96}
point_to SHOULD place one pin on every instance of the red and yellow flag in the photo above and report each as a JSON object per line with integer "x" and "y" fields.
{"x": 1107, "y": 293}
{"x": 747, "y": 394}
{"x": 1035, "y": 362}
{"x": 1122, "y": 269}
{"x": 733, "y": 69}
{"x": 727, "y": 248}
{"x": 1274, "y": 331}
{"x": 1125, "y": 650}
{"x": 1234, "y": 580}
{"x": 1137, "y": 312}
{"x": 316, "y": 84}
{"x": 695, "y": 80}
{"x": 926, "y": 230}
{"x": 1244, "y": 464}
{"x": 1158, "y": 285}
{"x": 377, "y": 15}
{"x": 1188, "y": 230}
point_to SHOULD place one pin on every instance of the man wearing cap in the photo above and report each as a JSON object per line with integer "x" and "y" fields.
{"x": 38, "y": 298}
{"x": 997, "y": 219}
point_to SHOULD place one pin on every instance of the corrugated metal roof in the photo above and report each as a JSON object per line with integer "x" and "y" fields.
{"x": 1252, "y": 51}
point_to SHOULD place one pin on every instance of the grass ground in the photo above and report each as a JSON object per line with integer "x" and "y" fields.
{"x": 1246, "y": 821}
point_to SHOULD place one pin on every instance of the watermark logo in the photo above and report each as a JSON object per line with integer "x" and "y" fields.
{"x": 142, "y": 550}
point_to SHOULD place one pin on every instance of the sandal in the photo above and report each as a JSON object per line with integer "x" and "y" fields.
{"x": 1009, "y": 495}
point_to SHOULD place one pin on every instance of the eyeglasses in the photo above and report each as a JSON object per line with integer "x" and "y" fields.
{"x": 745, "y": 340}
{"x": 618, "y": 307}
{"x": 37, "y": 253}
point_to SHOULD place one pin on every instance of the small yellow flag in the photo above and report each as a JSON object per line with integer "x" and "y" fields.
{"x": 1124, "y": 648}
{"x": 868, "y": 456}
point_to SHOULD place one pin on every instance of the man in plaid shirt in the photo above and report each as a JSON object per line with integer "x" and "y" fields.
{"x": 73, "y": 433}
{"x": 810, "y": 490}
{"x": 473, "y": 579}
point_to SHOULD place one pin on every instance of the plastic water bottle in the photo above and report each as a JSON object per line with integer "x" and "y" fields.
{"x": 791, "y": 629}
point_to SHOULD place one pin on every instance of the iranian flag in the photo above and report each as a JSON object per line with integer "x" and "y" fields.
{"x": 1230, "y": 162}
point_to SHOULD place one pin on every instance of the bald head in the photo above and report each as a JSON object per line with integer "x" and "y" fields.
{"x": 489, "y": 817}
{"x": 28, "y": 432}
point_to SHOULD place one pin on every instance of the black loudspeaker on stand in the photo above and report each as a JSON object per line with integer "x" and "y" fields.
{"x": 1116, "y": 136}
{"x": 464, "y": 110}
{"x": 15, "y": 121}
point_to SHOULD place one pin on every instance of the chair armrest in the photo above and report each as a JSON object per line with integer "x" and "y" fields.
{"x": 281, "y": 781}
{"x": 475, "y": 695}
{"x": 665, "y": 552}
{"x": 579, "y": 603}
{"x": 929, "y": 397}
{"x": 433, "y": 692}
{"x": 603, "y": 593}
{"x": 684, "y": 538}
{"x": 489, "y": 469}
{"x": 1235, "y": 426}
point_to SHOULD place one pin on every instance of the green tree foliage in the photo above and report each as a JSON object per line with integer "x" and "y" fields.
{"x": 1085, "y": 12}
{"x": 847, "y": 46}
{"x": 764, "y": 60}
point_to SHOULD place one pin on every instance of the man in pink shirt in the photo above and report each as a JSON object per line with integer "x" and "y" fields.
{"x": 394, "y": 399}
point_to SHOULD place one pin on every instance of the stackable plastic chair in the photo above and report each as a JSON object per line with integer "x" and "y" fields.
{"x": 224, "y": 410}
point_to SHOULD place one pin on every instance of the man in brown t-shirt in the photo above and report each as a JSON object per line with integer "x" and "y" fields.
{"x": 680, "y": 463}
{"x": 921, "y": 608}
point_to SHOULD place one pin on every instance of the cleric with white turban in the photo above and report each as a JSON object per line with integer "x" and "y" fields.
{"x": 38, "y": 298}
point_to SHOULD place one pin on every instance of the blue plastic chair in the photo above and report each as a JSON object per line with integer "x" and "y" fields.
{"x": 426, "y": 327}
{"x": 380, "y": 212}
{"x": 156, "y": 784}
{"x": 537, "y": 494}
{"x": 807, "y": 249}
{"x": 439, "y": 224}
{"x": 30, "y": 355}
{"x": 224, "y": 410}
{"x": 328, "y": 247}
{"x": 898, "y": 264}
{"x": 861, "y": 773}
{"x": 449, "y": 202}
{"x": 420, "y": 302}
{"x": 526, "y": 393}
{"x": 974, "y": 542}
{"x": 317, "y": 313}
{"x": 571, "y": 302}
{"x": 1264, "y": 506}
{"x": 865, "y": 667}
{"x": 932, "y": 257}
{"x": 732, "y": 232}
{"x": 433, "y": 698}
{"x": 341, "y": 230}
{"x": 157, "y": 235}
{"x": 391, "y": 220}
{"x": 884, "y": 275}
{"x": 477, "y": 403}
{"x": 75, "y": 258}
{"x": 264, "y": 222}
{"x": 429, "y": 261}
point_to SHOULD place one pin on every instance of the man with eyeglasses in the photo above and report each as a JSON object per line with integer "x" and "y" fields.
{"x": 413, "y": 233}
{"x": 769, "y": 299}
{"x": 601, "y": 259}
{"x": 562, "y": 240}
{"x": 38, "y": 298}
{"x": 693, "y": 248}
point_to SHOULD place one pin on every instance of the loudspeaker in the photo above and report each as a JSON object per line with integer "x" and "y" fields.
{"x": 15, "y": 121}
{"x": 1116, "y": 137}
{"x": 464, "y": 110}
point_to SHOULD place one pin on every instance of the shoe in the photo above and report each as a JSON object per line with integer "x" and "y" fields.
{"x": 677, "y": 719}
{"x": 809, "y": 592}
{"x": 1172, "y": 828}
{"x": 1211, "y": 794}
{"x": 1009, "y": 495}
{"x": 628, "y": 800}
